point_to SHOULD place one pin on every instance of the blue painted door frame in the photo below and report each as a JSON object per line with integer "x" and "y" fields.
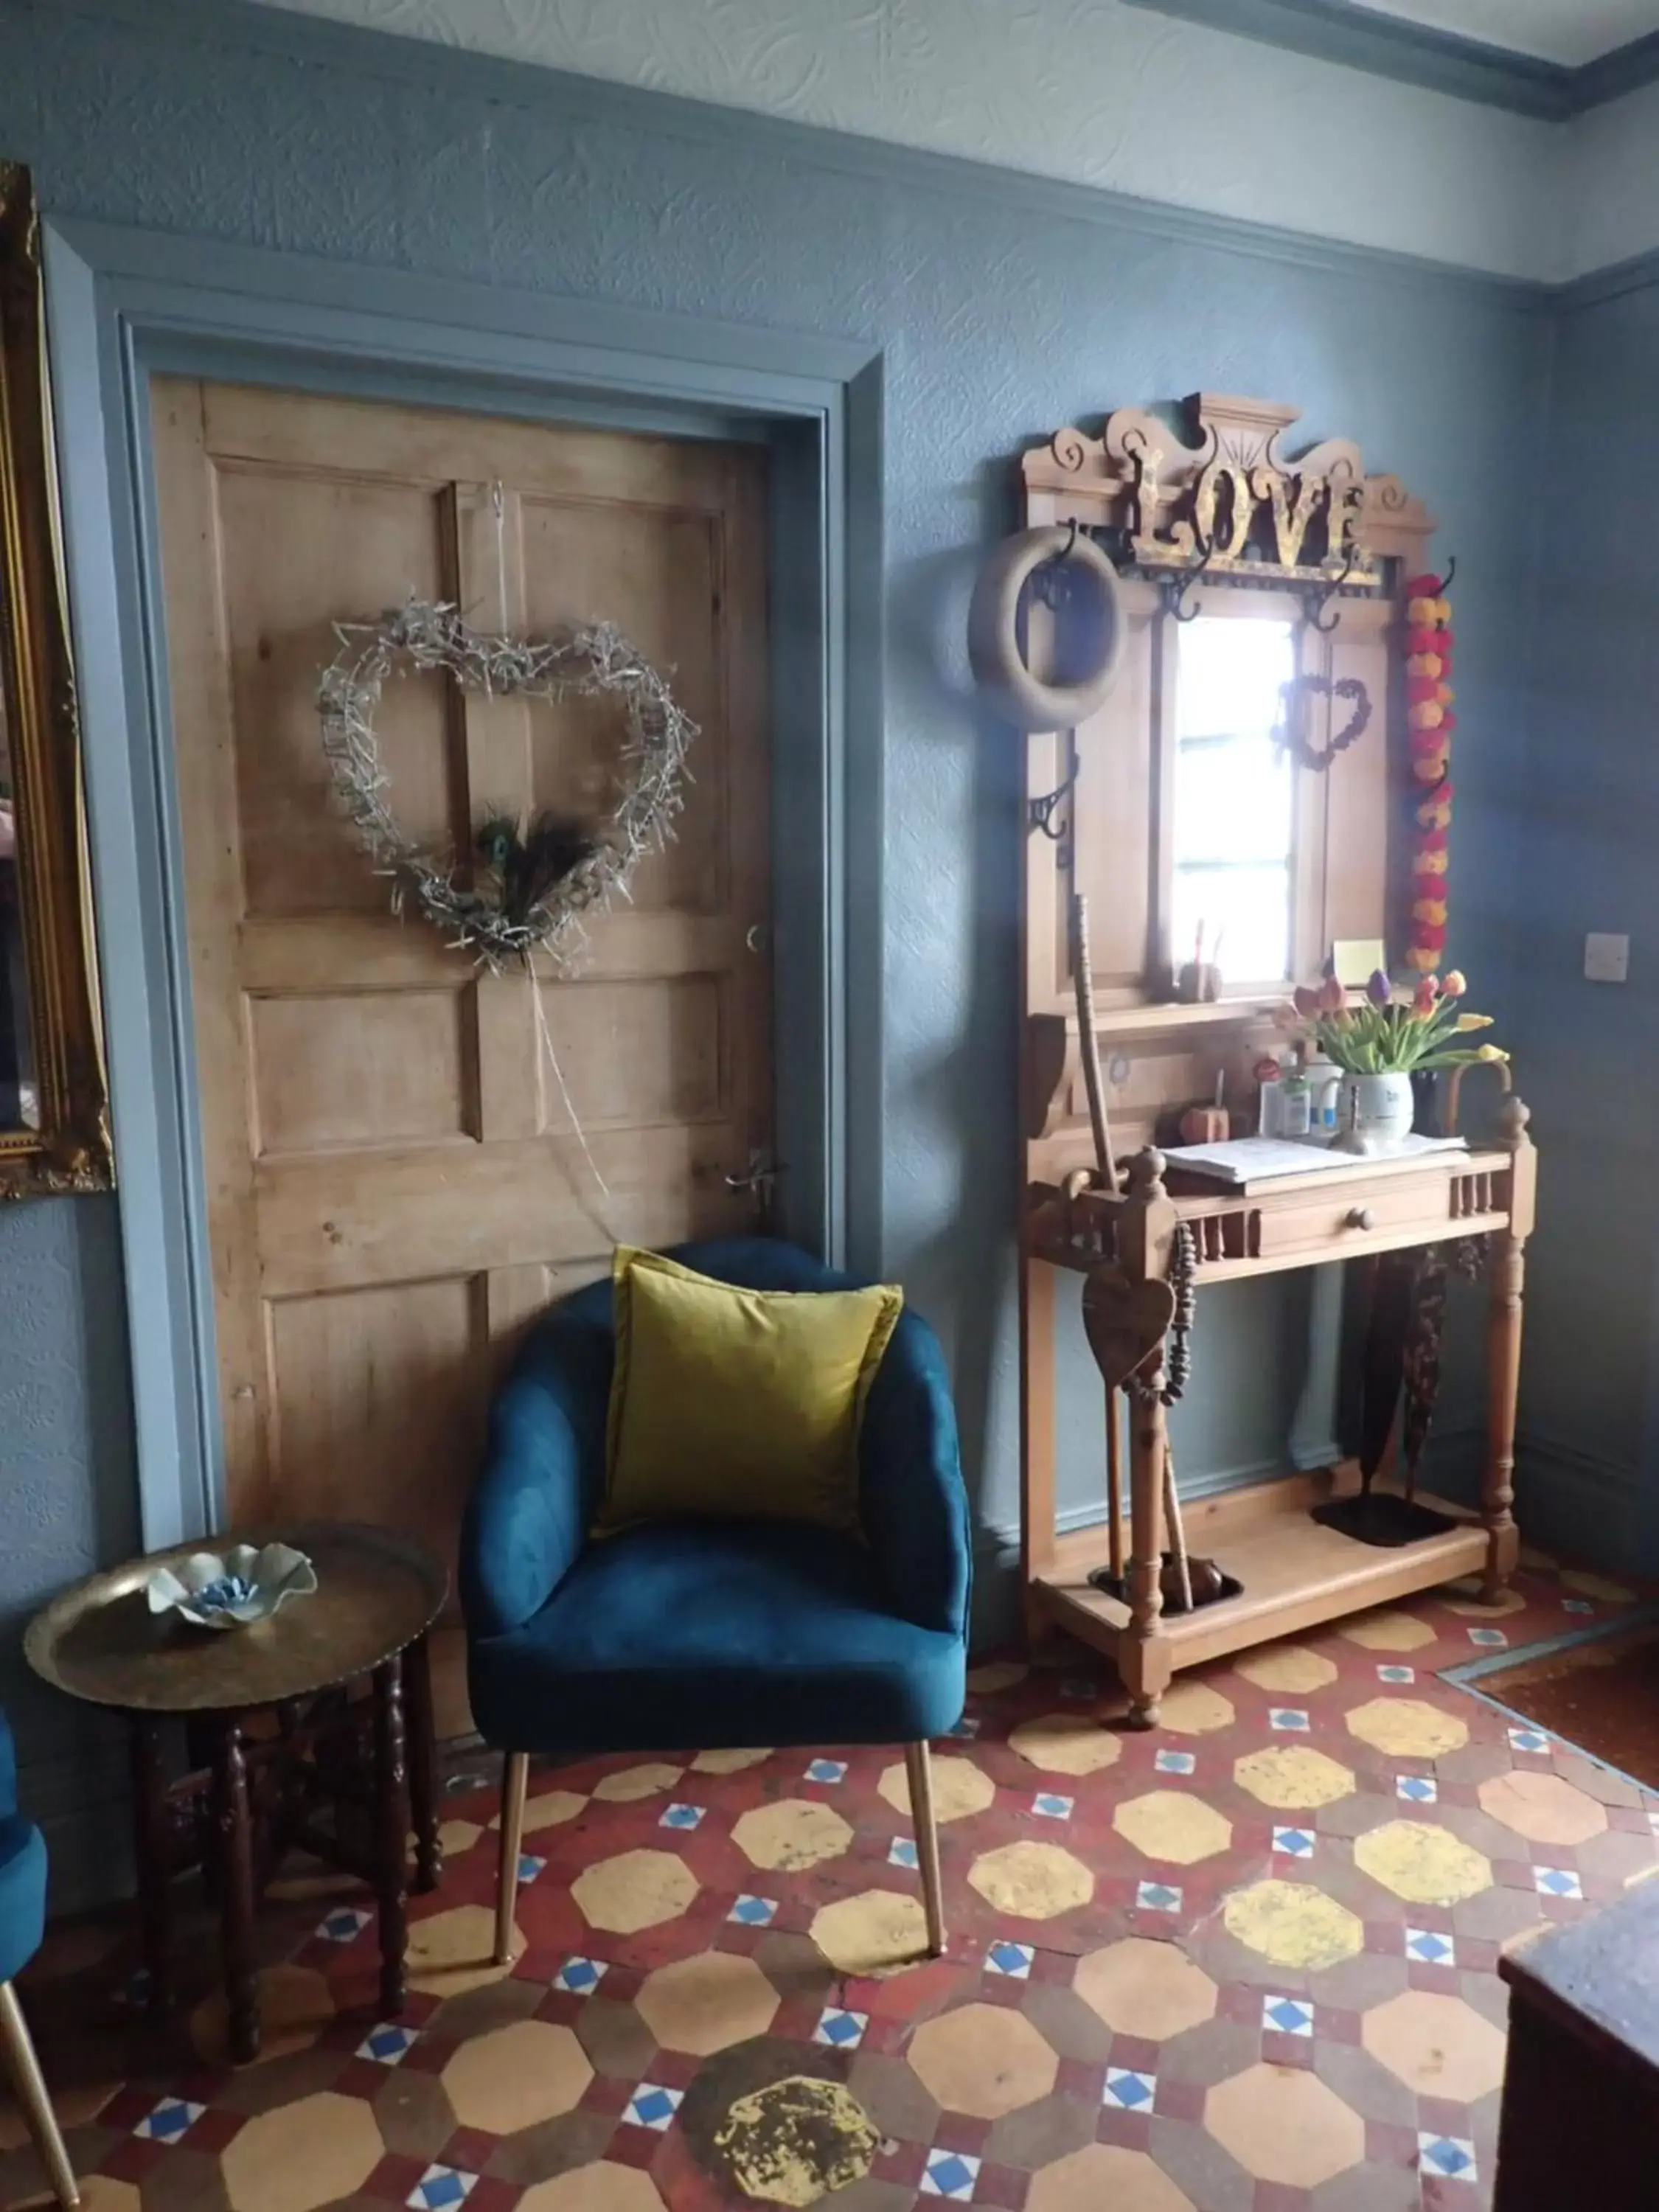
{"x": 124, "y": 305}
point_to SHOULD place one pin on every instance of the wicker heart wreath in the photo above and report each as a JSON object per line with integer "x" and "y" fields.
{"x": 530, "y": 884}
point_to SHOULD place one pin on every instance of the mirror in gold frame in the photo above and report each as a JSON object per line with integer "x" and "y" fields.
{"x": 54, "y": 1121}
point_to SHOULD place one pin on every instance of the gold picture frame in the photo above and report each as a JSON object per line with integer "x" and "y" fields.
{"x": 55, "y": 1136}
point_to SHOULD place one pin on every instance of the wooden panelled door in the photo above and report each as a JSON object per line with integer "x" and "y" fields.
{"x": 394, "y": 1184}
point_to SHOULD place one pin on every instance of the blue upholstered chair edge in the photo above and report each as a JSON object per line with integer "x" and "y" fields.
{"x": 22, "y": 1924}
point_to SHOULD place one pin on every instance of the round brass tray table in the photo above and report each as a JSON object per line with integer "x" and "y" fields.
{"x": 279, "y": 1755}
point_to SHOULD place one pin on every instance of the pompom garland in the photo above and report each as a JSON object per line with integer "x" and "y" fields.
{"x": 1431, "y": 722}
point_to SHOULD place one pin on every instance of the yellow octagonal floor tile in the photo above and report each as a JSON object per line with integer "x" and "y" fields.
{"x": 1542, "y": 1807}
{"x": 1289, "y": 1668}
{"x": 794, "y": 1833}
{"x": 1148, "y": 1990}
{"x": 1174, "y": 1825}
{"x": 1193, "y": 1709}
{"x": 1293, "y": 1924}
{"x": 983, "y": 2060}
{"x": 878, "y": 1933}
{"x": 515, "y": 2077}
{"x": 959, "y": 1788}
{"x": 1032, "y": 1881}
{"x": 453, "y": 1951}
{"x": 997, "y": 1675}
{"x": 704, "y": 2004}
{"x": 302, "y": 2155}
{"x": 1105, "y": 2178}
{"x": 629, "y": 1784}
{"x": 294, "y": 2008}
{"x": 726, "y": 1762}
{"x": 1438, "y": 2045}
{"x": 1292, "y": 1777}
{"x": 793, "y": 2141}
{"x": 551, "y": 1809}
{"x": 636, "y": 1890}
{"x": 1407, "y": 1727}
{"x": 1282, "y": 2123}
{"x": 1066, "y": 1743}
{"x": 1423, "y": 1864}
{"x": 98, "y": 2193}
{"x": 1388, "y": 1631}
{"x": 600, "y": 2187}
{"x": 1598, "y": 1586}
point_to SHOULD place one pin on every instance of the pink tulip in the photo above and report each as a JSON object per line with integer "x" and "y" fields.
{"x": 1332, "y": 996}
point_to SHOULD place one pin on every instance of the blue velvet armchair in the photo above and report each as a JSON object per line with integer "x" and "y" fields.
{"x": 687, "y": 1636}
{"x": 22, "y": 1922}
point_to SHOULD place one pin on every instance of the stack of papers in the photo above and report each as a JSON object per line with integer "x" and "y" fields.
{"x": 1262, "y": 1159}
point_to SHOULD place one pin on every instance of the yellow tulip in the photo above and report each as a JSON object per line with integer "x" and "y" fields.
{"x": 1474, "y": 1021}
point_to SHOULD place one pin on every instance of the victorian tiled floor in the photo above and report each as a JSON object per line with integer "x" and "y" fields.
{"x": 1244, "y": 1963}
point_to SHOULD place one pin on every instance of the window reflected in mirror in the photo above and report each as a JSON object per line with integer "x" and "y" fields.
{"x": 19, "y": 1096}
{"x": 1234, "y": 812}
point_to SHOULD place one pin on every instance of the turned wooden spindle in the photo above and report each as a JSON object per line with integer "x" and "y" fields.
{"x": 1507, "y": 1283}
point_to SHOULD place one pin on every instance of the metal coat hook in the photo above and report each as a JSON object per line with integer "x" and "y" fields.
{"x": 1314, "y": 603}
{"x": 1040, "y": 812}
{"x": 1046, "y": 584}
{"x": 1175, "y": 591}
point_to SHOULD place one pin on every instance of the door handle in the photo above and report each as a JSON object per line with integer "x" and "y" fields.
{"x": 762, "y": 1173}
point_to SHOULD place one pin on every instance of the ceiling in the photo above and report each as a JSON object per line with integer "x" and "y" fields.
{"x": 1571, "y": 32}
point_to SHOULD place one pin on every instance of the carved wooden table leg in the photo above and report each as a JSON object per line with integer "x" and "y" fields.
{"x": 1144, "y": 1654}
{"x": 235, "y": 1839}
{"x": 152, "y": 1855}
{"x": 423, "y": 1766}
{"x": 1508, "y": 1268}
{"x": 392, "y": 1819}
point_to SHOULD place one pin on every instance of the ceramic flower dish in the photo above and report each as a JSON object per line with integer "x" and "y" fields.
{"x": 234, "y": 1589}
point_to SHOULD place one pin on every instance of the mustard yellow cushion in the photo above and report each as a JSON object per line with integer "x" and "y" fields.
{"x": 733, "y": 1404}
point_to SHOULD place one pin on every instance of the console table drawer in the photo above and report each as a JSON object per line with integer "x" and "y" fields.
{"x": 1321, "y": 1227}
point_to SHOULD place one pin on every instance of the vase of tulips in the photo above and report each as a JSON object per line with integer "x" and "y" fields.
{"x": 1381, "y": 1041}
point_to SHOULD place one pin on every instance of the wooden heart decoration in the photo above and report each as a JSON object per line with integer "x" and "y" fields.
{"x": 1125, "y": 1322}
{"x": 1289, "y": 733}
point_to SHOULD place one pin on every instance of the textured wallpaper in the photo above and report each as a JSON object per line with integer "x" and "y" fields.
{"x": 1088, "y": 90}
{"x": 67, "y": 1493}
{"x": 997, "y": 323}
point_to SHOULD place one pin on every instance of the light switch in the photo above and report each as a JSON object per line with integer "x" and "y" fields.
{"x": 1606, "y": 959}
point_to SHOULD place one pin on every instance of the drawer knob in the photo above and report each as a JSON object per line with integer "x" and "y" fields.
{"x": 1362, "y": 1218}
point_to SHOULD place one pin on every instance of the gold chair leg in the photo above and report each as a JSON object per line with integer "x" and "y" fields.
{"x": 919, "y": 1769}
{"x": 30, "y": 2084}
{"x": 514, "y": 1782}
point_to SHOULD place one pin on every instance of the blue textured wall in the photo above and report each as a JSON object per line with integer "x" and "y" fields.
{"x": 1000, "y": 319}
{"x": 1590, "y": 1398}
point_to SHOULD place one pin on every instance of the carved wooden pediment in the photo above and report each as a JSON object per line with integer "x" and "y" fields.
{"x": 1223, "y": 493}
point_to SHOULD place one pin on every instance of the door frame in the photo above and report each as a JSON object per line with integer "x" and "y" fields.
{"x": 124, "y": 305}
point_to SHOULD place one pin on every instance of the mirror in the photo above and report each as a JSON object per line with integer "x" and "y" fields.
{"x": 54, "y": 1125}
{"x": 1235, "y": 800}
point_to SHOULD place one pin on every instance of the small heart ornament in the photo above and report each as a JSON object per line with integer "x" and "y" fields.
{"x": 1125, "y": 1322}
{"x": 1289, "y": 734}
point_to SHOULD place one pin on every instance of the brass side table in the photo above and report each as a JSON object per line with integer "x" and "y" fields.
{"x": 279, "y": 1756}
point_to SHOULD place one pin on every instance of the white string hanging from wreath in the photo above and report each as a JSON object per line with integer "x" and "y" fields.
{"x": 531, "y": 881}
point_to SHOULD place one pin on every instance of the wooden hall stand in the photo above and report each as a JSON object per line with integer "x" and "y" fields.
{"x": 1295, "y": 1572}
{"x": 1210, "y": 515}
